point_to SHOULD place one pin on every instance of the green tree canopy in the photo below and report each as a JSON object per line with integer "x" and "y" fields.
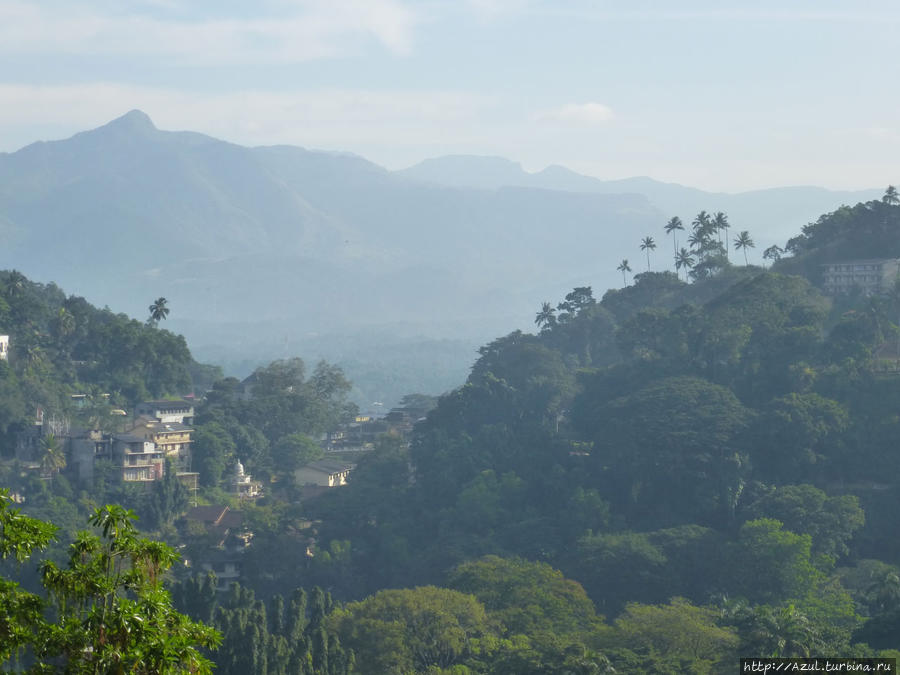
{"x": 111, "y": 611}
{"x": 804, "y": 509}
{"x": 411, "y": 630}
{"x": 675, "y": 444}
{"x": 527, "y": 597}
{"x": 678, "y": 629}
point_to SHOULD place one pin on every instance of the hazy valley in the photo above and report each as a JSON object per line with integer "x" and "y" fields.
{"x": 277, "y": 251}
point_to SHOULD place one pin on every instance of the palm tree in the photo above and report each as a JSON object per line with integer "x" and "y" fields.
{"x": 891, "y": 198}
{"x": 699, "y": 241}
{"x": 647, "y": 244}
{"x": 158, "y": 310}
{"x": 546, "y": 318}
{"x": 703, "y": 223}
{"x": 721, "y": 224}
{"x": 34, "y": 354}
{"x": 743, "y": 241}
{"x": 884, "y": 591}
{"x": 623, "y": 268}
{"x": 684, "y": 259}
{"x": 773, "y": 253}
{"x": 64, "y": 323}
{"x": 52, "y": 456}
{"x": 784, "y": 632}
{"x": 15, "y": 284}
{"x": 673, "y": 225}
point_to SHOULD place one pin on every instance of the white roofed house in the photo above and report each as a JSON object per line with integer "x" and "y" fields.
{"x": 325, "y": 473}
{"x": 180, "y": 411}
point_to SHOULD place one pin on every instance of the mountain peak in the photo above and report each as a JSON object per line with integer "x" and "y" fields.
{"x": 133, "y": 120}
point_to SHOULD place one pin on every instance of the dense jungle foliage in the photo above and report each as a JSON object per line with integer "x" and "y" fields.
{"x": 661, "y": 480}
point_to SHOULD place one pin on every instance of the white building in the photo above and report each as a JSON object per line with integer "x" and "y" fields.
{"x": 181, "y": 411}
{"x": 242, "y": 484}
{"x": 325, "y": 473}
{"x": 871, "y": 277}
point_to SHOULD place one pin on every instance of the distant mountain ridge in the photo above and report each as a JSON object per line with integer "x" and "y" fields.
{"x": 265, "y": 250}
{"x": 164, "y": 209}
{"x": 769, "y": 211}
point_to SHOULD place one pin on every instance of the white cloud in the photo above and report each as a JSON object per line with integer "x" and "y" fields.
{"x": 493, "y": 8}
{"x": 628, "y": 10}
{"x": 302, "y": 31}
{"x": 581, "y": 114}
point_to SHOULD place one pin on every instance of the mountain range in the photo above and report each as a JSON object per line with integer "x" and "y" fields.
{"x": 273, "y": 251}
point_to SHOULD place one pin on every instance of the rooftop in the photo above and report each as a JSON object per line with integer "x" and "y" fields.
{"x": 870, "y": 261}
{"x": 329, "y": 466}
{"x": 217, "y": 515}
{"x": 160, "y": 427}
{"x": 181, "y": 403}
{"x": 129, "y": 438}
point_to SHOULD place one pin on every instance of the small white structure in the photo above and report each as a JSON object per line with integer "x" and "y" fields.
{"x": 4, "y": 347}
{"x": 241, "y": 483}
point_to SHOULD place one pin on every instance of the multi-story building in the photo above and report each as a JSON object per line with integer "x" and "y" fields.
{"x": 86, "y": 447}
{"x": 4, "y": 347}
{"x": 871, "y": 277}
{"x": 173, "y": 439}
{"x": 138, "y": 459}
{"x": 133, "y": 457}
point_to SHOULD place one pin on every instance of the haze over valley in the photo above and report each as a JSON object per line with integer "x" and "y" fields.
{"x": 278, "y": 251}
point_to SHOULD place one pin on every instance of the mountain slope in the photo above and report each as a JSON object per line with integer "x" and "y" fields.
{"x": 302, "y": 242}
{"x": 269, "y": 250}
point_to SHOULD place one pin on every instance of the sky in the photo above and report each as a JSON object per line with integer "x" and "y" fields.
{"x": 715, "y": 94}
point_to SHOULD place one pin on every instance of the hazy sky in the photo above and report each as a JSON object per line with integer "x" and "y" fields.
{"x": 715, "y": 94}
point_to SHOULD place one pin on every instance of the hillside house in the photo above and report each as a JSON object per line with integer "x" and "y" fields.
{"x": 4, "y": 347}
{"x": 871, "y": 277}
{"x": 134, "y": 457}
{"x": 137, "y": 458}
{"x": 226, "y": 528}
{"x": 87, "y": 446}
{"x": 180, "y": 412}
{"x": 173, "y": 439}
{"x": 357, "y": 435}
{"x": 325, "y": 473}
{"x": 225, "y": 565}
{"x": 217, "y": 517}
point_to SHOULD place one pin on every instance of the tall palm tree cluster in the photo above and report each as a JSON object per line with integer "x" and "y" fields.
{"x": 707, "y": 246}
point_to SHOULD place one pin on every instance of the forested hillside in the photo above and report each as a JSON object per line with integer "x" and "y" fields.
{"x": 660, "y": 480}
{"x": 62, "y": 346}
{"x": 718, "y": 454}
